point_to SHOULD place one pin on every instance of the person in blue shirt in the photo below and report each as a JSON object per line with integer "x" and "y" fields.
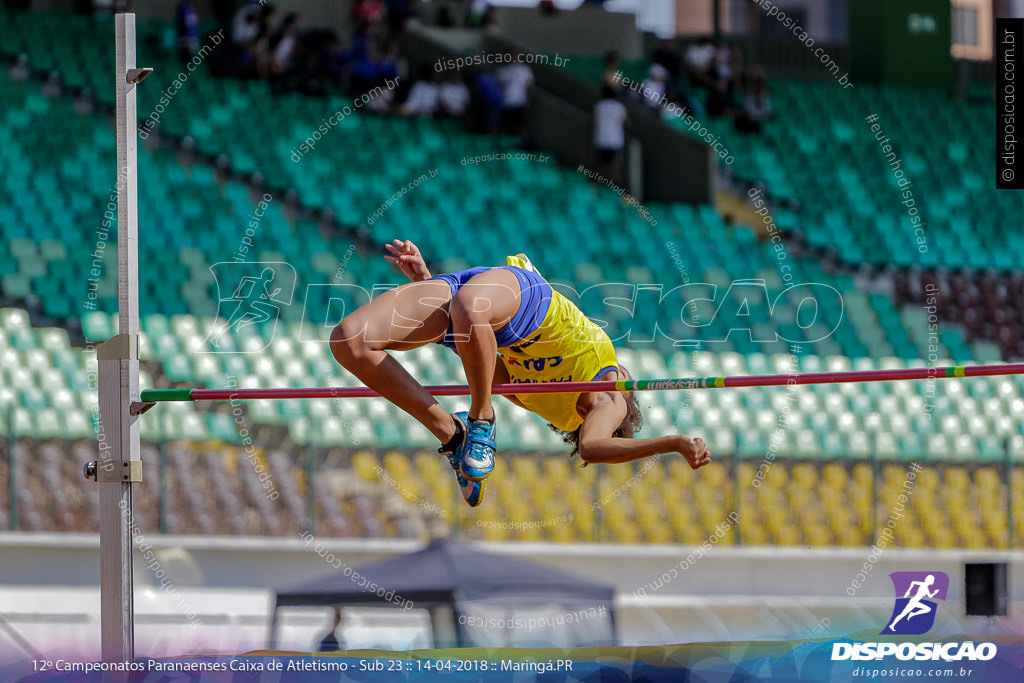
{"x": 187, "y": 22}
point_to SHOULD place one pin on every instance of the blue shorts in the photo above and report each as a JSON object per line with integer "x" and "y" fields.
{"x": 533, "y": 308}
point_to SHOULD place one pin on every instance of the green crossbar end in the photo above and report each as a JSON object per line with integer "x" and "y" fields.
{"x": 156, "y": 395}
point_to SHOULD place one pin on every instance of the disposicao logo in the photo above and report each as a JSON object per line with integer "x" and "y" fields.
{"x": 913, "y": 615}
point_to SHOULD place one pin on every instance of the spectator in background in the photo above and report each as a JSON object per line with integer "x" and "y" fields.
{"x": 612, "y": 63}
{"x": 398, "y": 12}
{"x": 726, "y": 62}
{"x": 366, "y": 70}
{"x": 516, "y": 81}
{"x": 249, "y": 54}
{"x": 655, "y": 87}
{"x": 187, "y": 21}
{"x": 424, "y": 96}
{"x": 757, "y": 103}
{"x": 454, "y": 95}
{"x": 489, "y": 89}
{"x": 283, "y": 45}
{"x": 609, "y": 135}
{"x": 677, "y": 86}
{"x": 368, "y": 13}
{"x": 667, "y": 56}
{"x": 478, "y": 9}
{"x": 721, "y": 95}
{"x": 330, "y": 641}
{"x": 335, "y": 62}
{"x": 245, "y": 27}
{"x": 391, "y": 63}
{"x": 375, "y": 71}
{"x": 361, "y": 41}
{"x": 698, "y": 59}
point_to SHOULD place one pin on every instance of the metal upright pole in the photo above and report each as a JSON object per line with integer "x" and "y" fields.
{"x": 119, "y": 462}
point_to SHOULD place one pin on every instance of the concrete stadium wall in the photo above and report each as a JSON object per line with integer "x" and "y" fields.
{"x": 333, "y": 14}
{"x": 49, "y": 590}
{"x": 588, "y": 31}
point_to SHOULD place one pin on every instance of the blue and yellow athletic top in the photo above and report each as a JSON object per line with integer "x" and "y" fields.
{"x": 548, "y": 340}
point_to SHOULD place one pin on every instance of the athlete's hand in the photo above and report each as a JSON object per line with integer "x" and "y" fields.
{"x": 406, "y": 256}
{"x": 694, "y": 450}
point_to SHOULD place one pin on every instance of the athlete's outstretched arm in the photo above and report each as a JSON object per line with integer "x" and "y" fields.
{"x": 605, "y": 412}
{"x": 406, "y": 256}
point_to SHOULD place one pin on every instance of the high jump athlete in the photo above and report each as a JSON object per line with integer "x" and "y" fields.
{"x": 508, "y": 326}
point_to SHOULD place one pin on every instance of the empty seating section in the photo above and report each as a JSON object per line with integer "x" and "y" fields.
{"x": 817, "y": 486}
{"x": 922, "y": 419}
{"x": 989, "y": 306}
{"x": 830, "y": 461}
{"x": 213, "y": 487}
{"x": 850, "y": 200}
{"x": 58, "y": 256}
{"x": 821, "y": 151}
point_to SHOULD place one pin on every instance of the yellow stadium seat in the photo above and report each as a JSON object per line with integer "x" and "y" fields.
{"x": 863, "y": 474}
{"x": 365, "y": 465}
{"x": 805, "y": 475}
{"x": 563, "y": 533}
{"x": 558, "y": 469}
{"x": 927, "y": 479}
{"x": 431, "y": 464}
{"x": 690, "y": 534}
{"x": 956, "y": 477}
{"x": 835, "y": 475}
{"x": 818, "y": 535}
{"x": 788, "y": 535}
{"x": 754, "y": 535}
{"x": 851, "y": 537}
{"x": 912, "y": 538}
{"x": 714, "y": 474}
{"x": 628, "y": 534}
{"x": 397, "y": 464}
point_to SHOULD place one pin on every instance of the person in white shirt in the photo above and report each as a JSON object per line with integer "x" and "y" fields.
{"x": 516, "y": 81}
{"x": 245, "y": 27}
{"x": 423, "y": 98}
{"x": 609, "y": 135}
{"x": 454, "y": 95}
{"x": 655, "y": 87}
{"x": 698, "y": 60}
{"x": 281, "y": 60}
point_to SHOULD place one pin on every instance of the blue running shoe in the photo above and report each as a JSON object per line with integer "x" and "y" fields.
{"x": 472, "y": 491}
{"x": 476, "y": 455}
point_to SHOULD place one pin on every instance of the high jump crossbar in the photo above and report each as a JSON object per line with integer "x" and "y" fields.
{"x": 151, "y": 396}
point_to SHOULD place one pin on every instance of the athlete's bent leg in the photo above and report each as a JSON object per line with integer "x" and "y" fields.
{"x": 400, "y": 319}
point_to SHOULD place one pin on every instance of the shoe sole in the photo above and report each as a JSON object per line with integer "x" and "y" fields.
{"x": 479, "y": 498}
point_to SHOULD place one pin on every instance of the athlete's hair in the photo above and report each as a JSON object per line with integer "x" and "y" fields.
{"x": 630, "y": 425}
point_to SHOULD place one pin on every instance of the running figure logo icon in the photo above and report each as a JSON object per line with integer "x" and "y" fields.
{"x": 257, "y": 292}
{"x": 914, "y": 613}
